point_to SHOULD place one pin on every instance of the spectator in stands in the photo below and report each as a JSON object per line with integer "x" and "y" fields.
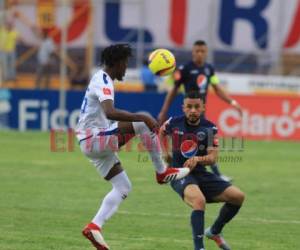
{"x": 8, "y": 43}
{"x": 45, "y": 58}
{"x": 79, "y": 78}
{"x": 148, "y": 78}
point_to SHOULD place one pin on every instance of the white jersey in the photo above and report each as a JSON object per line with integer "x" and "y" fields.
{"x": 92, "y": 118}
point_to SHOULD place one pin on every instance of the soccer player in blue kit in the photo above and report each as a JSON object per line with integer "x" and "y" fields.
{"x": 198, "y": 75}
{"x": 195, "y": 145}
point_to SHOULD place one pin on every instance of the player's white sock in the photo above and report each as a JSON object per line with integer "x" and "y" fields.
{"x": 152, "y": 144}
{"x": 121, "y": 187}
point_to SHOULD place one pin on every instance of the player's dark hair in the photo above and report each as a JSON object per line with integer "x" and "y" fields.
{"x": 193, "y": 95}
{"x": 114, "y": 54}
{"x": 200, "y": 43}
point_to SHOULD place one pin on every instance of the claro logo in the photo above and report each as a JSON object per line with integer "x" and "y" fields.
{"x": 284, "y": 124}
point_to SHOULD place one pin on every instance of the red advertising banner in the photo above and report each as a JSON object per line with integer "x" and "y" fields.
{"x": 264, "y": 117}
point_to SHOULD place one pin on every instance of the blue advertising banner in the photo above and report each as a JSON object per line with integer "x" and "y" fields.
{"x": 39, "y": 109}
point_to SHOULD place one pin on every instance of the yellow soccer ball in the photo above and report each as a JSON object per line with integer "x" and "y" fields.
{"x": 162, "y": 62}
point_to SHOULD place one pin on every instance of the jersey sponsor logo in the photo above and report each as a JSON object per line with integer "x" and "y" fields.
{"x": 178, "y": 132}
{"x": 188, "y": 148}
{"x": 106, "y": 91}
{"x": 201, "y": 81}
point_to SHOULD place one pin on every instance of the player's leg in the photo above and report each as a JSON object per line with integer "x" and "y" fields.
{"x": 189, "y": 191}
{"x": 121, "y": 187}
{"x": 100, "y": 151}
{"x": 212, "y": 186}
{"x": 195, "y": 199}
{"x": 233, "y": 198}
{"x": 152, "y": 144}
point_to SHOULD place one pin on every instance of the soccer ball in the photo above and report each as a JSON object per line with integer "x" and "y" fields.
{"x": 162, "y": 62}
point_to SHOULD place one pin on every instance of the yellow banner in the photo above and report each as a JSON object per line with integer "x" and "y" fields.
{"x": 46, "y": 13}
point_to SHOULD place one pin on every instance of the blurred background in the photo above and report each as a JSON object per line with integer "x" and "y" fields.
{"x": 50, "y": 48}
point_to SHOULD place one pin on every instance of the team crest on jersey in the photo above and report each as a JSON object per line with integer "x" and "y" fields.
{"x": 201, "y": 81}
{"x": 201, "y": 135}
{"x": 105, "y": 79}
{"x": 188, "y": 148}
{"x": 206, "y": 71}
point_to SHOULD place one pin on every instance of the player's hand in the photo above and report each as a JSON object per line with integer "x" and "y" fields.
{"x": 162, "y": 117}
{"x": 191, "y": 163}
{"x": 237, "y": 106}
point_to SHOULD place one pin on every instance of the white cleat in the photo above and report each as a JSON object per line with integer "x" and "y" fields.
{"x": 172, "y": 174}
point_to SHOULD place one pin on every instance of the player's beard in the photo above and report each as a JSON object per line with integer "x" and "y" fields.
{"x": 194, "y": 119}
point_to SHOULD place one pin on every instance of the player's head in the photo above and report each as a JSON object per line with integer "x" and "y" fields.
{"x": 192, "y": 107}
{"x": 115, "y": 58}
{"x": 199, "y": 52}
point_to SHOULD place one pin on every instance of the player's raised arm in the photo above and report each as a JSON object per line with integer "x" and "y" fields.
{"x": 226, "y": 98}
{"x": 121, "y": 115}
{"x": 167, "y": 103}
{"x": 178, "y": 78}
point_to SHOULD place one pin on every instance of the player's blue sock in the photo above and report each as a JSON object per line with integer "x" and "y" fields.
{"x": 215, "y": 169}
{"x": 197, "y": 221}
{"x": 227, "y": 212}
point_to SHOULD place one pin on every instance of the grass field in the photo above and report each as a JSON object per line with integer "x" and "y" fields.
{"x": 46, "y": 198}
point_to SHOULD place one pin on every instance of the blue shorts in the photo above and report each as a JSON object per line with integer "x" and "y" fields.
{"x": 210, "y": 184}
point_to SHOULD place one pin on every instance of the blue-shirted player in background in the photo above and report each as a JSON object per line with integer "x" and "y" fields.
{"x": 197, "y": 75}
{"x": 195, "y": 145}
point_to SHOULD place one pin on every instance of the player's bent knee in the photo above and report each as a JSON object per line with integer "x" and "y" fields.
{"x": 194, "y": 197}
{"x": 240, "y": 197}
{"x": 125, "y": 188}
{"x": 237, "y": 197}
{"x": 198, "y": 203}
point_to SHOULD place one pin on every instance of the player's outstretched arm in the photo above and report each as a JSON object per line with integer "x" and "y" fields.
{"x": 162, "y": 117}
{"x": 121, "y": 115}
{"x": 226, "y": 98}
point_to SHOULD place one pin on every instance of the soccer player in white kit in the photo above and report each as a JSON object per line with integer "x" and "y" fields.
{"x": 102, "y": 129}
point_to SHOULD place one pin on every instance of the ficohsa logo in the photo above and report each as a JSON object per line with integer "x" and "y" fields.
{"x": 283, "y": 125}
{"x": 188, "y": 148}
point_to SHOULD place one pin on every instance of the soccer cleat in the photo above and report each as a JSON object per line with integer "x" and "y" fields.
{"x": 220, "y": 241}
{"x": 93, "y": 233}
{"x": 172, "y": 174}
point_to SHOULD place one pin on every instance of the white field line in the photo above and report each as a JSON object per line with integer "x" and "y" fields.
{"x": 253, "y": 220}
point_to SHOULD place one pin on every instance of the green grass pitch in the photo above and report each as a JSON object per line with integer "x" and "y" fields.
{"x": 46, "y": 198}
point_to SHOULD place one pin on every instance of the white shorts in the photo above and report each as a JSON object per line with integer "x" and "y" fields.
{"x": 101, "y": 149}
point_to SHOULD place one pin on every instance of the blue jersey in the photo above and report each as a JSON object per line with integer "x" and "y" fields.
{"x": 189, "y": 141}
{"x": 196, "y": 78}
